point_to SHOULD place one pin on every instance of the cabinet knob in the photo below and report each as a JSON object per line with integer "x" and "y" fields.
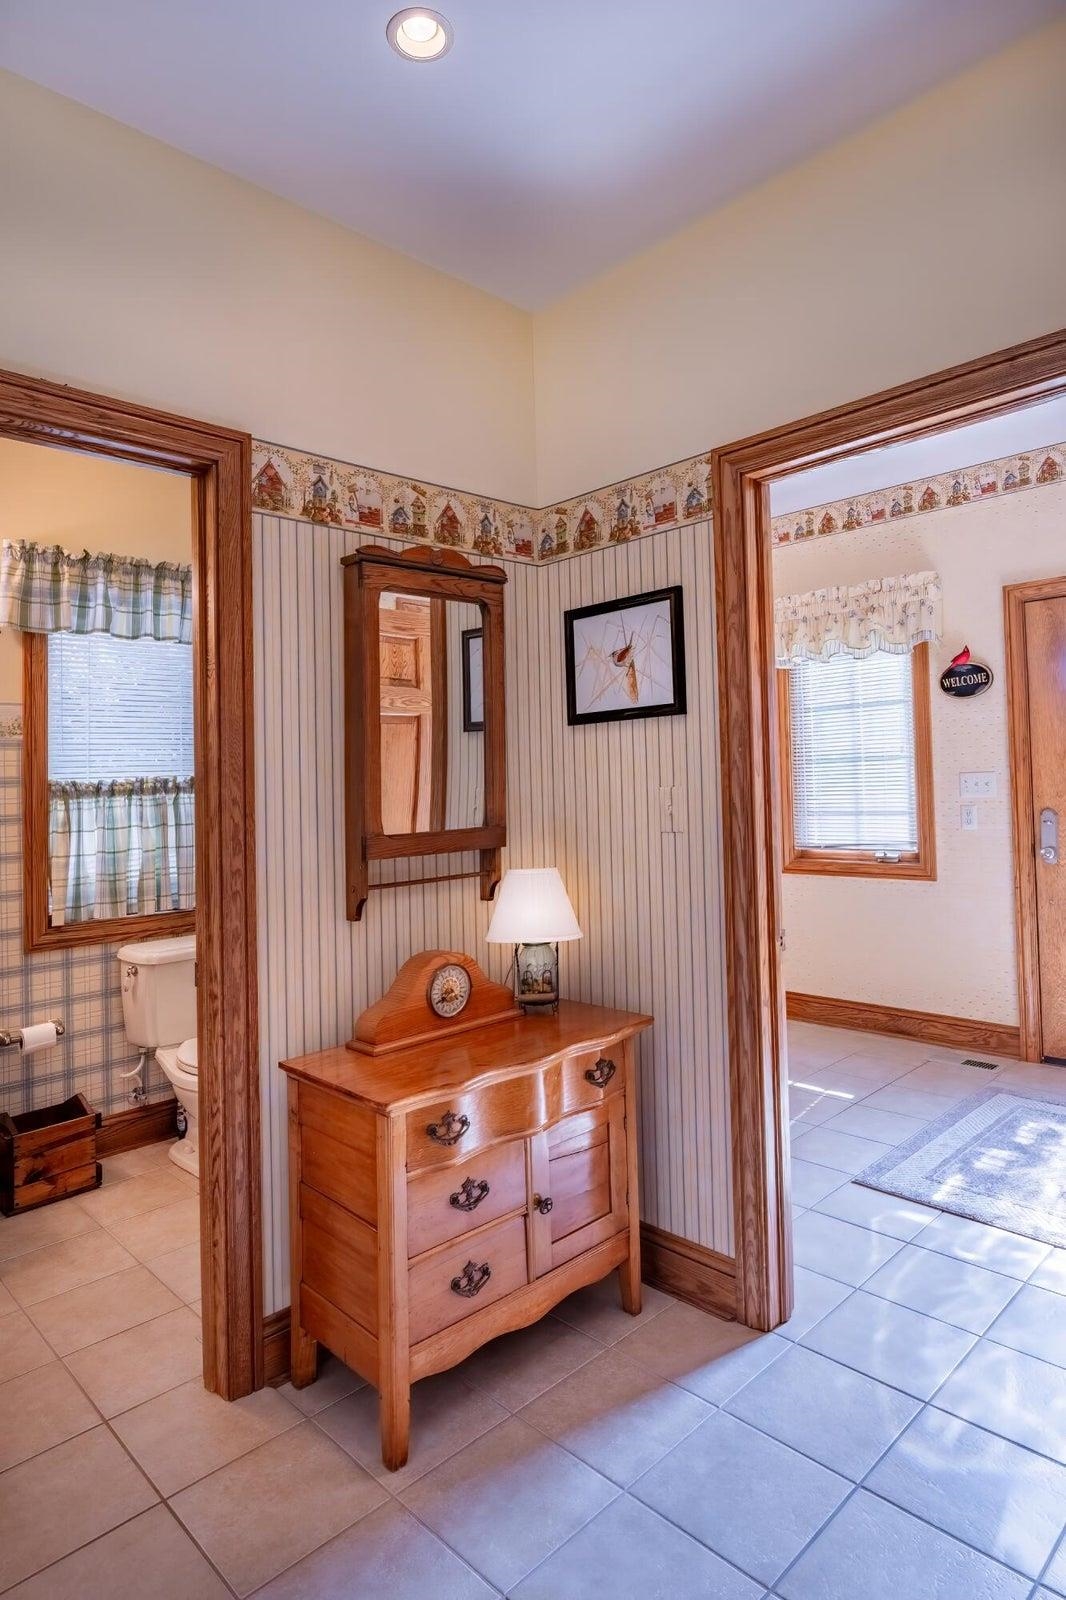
{"x": 472, "y": 1279}
{"x": 543, "y": 1203}
{"x": 469, "y": 1194}
{"x": 601, "y": 1074}
{"x": 450, "y": 1128}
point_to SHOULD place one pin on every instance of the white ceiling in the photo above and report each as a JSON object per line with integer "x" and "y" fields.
{"x": 557, "y": 137}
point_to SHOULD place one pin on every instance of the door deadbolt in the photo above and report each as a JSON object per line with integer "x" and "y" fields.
{"x": 1049, "y": 837}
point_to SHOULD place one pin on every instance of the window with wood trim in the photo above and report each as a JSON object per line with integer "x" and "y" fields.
{"x": 109, "y": 825}
{"x": 856, "y": 766}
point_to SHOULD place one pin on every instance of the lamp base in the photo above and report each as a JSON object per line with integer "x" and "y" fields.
{"x": 537, "y": 976}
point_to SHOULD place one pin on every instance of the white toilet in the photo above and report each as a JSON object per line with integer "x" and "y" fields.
{"x": 159, "y": 1010}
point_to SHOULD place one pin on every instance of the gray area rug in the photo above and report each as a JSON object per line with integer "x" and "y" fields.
{"x": 998, "y": 1157}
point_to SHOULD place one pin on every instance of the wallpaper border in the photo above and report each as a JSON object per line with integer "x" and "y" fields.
{"x": 316, "y": 488}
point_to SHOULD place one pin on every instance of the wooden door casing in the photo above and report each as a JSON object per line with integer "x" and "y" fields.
{"x": 1045, "y": 648}
{"x": 1036, "y": 669}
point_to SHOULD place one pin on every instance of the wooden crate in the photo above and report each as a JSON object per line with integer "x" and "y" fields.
{"x": 48, "y": 1154}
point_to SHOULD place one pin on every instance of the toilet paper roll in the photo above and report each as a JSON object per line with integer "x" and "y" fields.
{"x": 38, "y": 1036}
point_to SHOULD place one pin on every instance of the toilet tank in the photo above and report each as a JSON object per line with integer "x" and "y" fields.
{"x": 158, "y": 979}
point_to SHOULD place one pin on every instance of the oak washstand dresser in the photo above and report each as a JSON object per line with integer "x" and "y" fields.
{"x": 456, "y": 1171}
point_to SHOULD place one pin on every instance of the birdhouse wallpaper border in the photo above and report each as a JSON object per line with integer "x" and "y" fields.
{"x": 314, "y": 488}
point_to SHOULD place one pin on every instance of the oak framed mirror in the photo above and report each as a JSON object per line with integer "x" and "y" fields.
{"x": 423, "y": 777}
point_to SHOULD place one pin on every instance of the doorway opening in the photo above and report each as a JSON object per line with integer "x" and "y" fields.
{"x": 752, "y": 777}
{"x": 179, "y": 859}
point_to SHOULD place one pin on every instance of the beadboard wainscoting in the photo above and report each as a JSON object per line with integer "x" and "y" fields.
{"x": 585, "y": 799}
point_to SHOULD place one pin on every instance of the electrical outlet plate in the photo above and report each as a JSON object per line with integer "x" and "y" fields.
{"x": 977, "y": 785}
{"x": 968, "y": 817}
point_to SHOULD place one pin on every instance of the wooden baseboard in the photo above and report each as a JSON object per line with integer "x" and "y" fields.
{"x": 126, "y": 1130}
{"x": 276, "y": 1346}
{"x": 690, "y": 1271}
{"x": 931, "y": 1027}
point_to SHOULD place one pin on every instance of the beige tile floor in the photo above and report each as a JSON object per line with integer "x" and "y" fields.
{"x": 902, "y": 1438}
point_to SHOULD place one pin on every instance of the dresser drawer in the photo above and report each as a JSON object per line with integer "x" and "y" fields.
{"x": 588, "y": 1078}
{"x": 444, "y": 1202}
{"x": 448, "y": 1130}
{"x": 466, "y": 1276}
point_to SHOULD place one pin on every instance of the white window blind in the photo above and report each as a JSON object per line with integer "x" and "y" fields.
{"x": 118, "y": 708}
{"x": 853, "y": 754}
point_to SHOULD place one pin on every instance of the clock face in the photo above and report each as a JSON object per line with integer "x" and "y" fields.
{"x": 449, "y": 990}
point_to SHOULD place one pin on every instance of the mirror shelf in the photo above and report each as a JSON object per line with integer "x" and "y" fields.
{"x": 424, "y": 714}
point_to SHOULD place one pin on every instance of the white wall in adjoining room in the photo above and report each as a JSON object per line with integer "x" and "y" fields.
{"x": 946, "y": 946}
{"x": 583, "y": 799}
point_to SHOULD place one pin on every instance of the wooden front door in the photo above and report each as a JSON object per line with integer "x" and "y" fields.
{"x": 1044, "y": 622}
{"x": 413, "y": 715}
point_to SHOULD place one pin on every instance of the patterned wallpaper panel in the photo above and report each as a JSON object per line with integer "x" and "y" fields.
{"x": 584, "y": 799}
{"x": 78, "y": 987}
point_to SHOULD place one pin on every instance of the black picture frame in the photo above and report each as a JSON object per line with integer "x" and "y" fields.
{"x": 470, "y": 723}
{"x": 673, "y": 708}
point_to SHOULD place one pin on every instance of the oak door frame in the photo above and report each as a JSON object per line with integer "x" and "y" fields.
{"x": 1016, "y": 597}
{"x": 217, "y": 462}
{"x": 750, "y": 785}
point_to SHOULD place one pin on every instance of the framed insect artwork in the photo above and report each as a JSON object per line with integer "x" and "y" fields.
{"x": 626, "y": 658}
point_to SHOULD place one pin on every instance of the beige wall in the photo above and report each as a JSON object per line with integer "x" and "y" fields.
{"x": 936, "y": 235}
{"x": 134, "y": 270}
{"x": 86, "y": 503}
{"x": 947, "y": 946}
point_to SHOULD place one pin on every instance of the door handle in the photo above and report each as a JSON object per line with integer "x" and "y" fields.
{"x": 1049, "y": 837}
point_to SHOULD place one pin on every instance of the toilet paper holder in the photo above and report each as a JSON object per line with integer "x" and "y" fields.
{"x": 11, "y": 1038}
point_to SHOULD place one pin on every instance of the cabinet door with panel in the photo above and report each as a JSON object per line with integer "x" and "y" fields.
{"x": 579, "y": 1174}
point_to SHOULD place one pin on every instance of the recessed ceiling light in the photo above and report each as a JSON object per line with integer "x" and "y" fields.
{"x": 420, "y": 35}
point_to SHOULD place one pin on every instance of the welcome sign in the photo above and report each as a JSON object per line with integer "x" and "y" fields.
{"x": 965, "y": 677}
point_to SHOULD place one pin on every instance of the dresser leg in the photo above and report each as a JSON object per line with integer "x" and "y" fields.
{"x": 303, "y": 1358}
{"x": 629, "y": 1286}
{"x": 395, "y": 1409}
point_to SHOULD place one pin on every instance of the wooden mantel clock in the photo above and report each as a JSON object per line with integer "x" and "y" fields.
{"x": 455, "y": 1171}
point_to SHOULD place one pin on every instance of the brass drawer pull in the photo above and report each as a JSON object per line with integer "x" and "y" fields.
{"x": 543, "y": 1203}
{"x": 450, "y": 1128}
{"x": 472, "y": 1279}
{"x": 601, "y": 1074}
{"x": 469, "y": 1194}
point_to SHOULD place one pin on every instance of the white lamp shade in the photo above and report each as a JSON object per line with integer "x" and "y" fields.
{"x": 532, "y": 907}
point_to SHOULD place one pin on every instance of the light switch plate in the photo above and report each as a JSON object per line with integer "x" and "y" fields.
{"x": 672, "y": 809}
{"x": 968, "y": 815}
{"x": 977, "y": 785}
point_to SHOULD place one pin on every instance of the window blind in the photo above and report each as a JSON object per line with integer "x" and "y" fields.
{"x": 853, "y": 754}
{"x": 118, "y": 708}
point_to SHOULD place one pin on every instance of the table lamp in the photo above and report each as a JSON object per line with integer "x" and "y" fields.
{"x": 533, "y": 912}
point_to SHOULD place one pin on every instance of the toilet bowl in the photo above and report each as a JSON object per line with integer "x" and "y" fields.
{"x": 180, "y": 1063}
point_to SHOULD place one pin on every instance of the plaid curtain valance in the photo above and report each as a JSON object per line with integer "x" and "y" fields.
{"x": 46, "y": 589}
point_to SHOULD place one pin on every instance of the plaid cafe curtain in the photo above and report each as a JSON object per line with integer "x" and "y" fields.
{"x": 121, "y": 849}
{"x": 892, "y": 615}
{"x": 46, "y": 589}
{"x": 127, "y": 846}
